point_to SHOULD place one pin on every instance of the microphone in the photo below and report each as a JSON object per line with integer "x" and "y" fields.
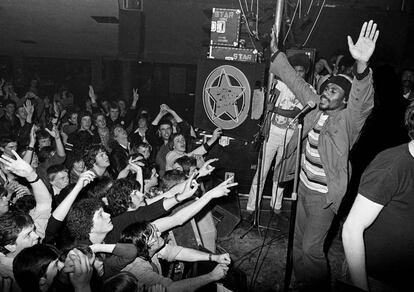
{"x": 309, "y": 107}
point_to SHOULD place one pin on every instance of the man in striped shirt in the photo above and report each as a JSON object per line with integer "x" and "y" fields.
{"x": 330, "y": 133}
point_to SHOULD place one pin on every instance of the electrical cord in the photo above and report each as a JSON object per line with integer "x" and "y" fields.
{"x": 313, "y": 26}
{"x": 291, "y": 23}
{"x": 255, "y": 275}
{"x": 242, "y": 258}
{"x": 309, "y": 8}
{"x": 247, "y": 23}
{"x": 247, "y": 6}
{"x": 257, "y": 17}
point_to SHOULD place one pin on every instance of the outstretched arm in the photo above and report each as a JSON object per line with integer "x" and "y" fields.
{"x": 280, "y": 66}
{"x": 62, "y": 210}
{"x": 23, "y": 169}
{"x": 361, "y": 97}
{"x": 361, "y": 216}
{"x": 172, "y": 112}
{"x": 185, "y": 214}
{"x": 157, "y": 119}
{"x": 365, "y": 46}
{"x": 203, "y": 149}
{"x": 193, "y": 255}
{"x": 60, "y": 149}
{"x": 28, "y": 155}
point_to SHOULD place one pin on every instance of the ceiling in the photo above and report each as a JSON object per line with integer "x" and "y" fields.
{"x": 58, "y": 28}
{"x": 174, "y": 29}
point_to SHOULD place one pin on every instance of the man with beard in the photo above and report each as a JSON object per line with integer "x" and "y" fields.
{"x": 329, "y": 133}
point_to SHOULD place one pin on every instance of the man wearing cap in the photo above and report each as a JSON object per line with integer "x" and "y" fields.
{"x": 286, "y": 107}
{"x": 329, "y": 134}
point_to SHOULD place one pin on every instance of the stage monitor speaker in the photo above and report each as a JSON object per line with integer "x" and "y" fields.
{"x": 131, "y": 34}
{"x": 226, "y": 214}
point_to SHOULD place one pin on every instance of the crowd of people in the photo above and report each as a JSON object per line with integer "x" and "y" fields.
{"x": 91, "y": 195}
{"x": 87, "y": 194}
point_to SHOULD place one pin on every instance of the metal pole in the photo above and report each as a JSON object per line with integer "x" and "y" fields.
{"x": 289, "y": 252}
{"x": 278, "y": 26}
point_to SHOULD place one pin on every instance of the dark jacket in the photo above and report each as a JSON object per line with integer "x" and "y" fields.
{"x": 119, "y": 159}
{"x": 14, "y": 128}
{"x": 339, "y": 133}
{"x": 82, "y": 139}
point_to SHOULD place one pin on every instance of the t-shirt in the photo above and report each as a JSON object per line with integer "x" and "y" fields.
{"x": 389, "y": 241}
{"x": 287, "y": 101}
{"x": 147, "y": 213}
{"x": 150, "y": 273}
{"x": 312, "y": 174}
{"x": 40, "y": 219}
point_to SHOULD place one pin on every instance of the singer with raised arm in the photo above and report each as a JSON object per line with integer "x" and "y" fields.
{"x": 283, "y": 106}
{"x": 329, "y": 134}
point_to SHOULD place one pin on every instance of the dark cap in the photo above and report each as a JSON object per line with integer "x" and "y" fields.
{"x": 342, "y": 80}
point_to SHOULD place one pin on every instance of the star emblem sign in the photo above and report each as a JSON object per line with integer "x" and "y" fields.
{"x": 224, "y": 97}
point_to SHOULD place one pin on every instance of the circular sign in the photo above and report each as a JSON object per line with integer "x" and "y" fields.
{"x": 226, "y": 97}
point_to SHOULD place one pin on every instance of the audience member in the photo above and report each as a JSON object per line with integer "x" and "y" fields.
{"x": 377, "y": 235}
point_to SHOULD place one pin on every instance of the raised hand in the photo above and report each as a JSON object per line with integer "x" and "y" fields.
{"x": 219, "y": 272}
{"x": 32, "y": 140}
{"x": 222, "y": 189}
{"x": 15, "y": 187}
{"x": 28, "y": 106}
{"x": 54, "y": 133}
{"x": 135, "y": 95}
{"x": 56, "y": 109}
{"x": 64, "y": 136}
{"x": 207, "y": 169}
{"x": 92, "y": 94}
{"x": 135, "y": 165}
{"x": 4, "y": 204}
{"x": 17, "y": 166}
{"x": 81, "y": 274}
{"x": 86, "y": 177}
{"x": 365, "y": 46}
{"x": 216, "y": 134}
{"x": 21, "y": 191}
{"x": 163, "y": 111}
{"x": 191, "y": 186}
{"x": 222, "y": 258}
{"x": 273, "y": 40}
{"x": 165, "y": 107}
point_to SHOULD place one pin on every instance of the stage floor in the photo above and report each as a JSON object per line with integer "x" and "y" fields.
{"x": 270, "y": 268}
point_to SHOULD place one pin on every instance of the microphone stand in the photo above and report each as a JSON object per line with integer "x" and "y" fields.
{"x": 294, "y": 198}
{"x": 262, "y": 138}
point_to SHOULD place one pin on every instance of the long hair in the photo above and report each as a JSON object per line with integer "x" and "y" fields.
{"x": 122, "y": 282}
{"x": 139, "y": 234}
{"x": 30, "y": 265}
